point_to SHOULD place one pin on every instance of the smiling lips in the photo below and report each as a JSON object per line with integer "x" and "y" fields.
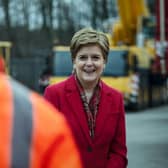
{"x": 89, "y": 70}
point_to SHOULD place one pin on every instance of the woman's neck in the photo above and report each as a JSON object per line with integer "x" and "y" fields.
{"x": 89, "y": 86}
{"x": 89, "y": 89}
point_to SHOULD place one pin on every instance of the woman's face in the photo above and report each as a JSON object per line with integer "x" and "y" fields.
{"x": 89, "y": 64}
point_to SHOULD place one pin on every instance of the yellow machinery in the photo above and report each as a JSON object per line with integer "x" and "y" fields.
{"x": 131, "y": 14}
{"x": 135, "y": 30}
{"x": 61, "y": 64}
{"x": 5, "y": 49}
{"x": 118, "y": 73}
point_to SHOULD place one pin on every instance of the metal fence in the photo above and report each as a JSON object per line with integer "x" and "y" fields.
{"x": 27, "y": 70}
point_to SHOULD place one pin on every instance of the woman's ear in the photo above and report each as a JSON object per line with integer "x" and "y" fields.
{"x": 74, "y": 68}
{"x": 104, "y": 66}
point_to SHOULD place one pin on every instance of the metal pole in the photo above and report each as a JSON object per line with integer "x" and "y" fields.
{"x": 162, "y": 36}
{"x": 162, "y": 21}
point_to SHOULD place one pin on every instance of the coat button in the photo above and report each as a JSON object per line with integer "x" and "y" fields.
{"x": 89, "y": 149}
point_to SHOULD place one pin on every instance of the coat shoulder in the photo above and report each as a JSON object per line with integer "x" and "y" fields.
{"x": 111, "y": 90}
{"x": 63, "y": 85}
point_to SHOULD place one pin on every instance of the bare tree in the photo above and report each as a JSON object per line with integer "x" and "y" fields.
{"x": 94, "y": 5}
{"x": 99, "y": 12}
{"x": 46, "y": 11}
{"x": 46, "y": 8}
{"x": 104, "y": 11}
{"x": 5, "y": 5}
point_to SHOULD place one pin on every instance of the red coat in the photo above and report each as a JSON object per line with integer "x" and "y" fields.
{"x": 2, "y": 64}
{"x": 108, "y": 148}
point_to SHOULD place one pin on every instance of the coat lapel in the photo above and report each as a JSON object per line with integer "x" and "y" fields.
{"x": 75, "y": 102}
{"x": 104, "y": 108}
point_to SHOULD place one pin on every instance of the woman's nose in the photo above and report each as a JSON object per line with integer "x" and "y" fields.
{"x": 89, "y": 61}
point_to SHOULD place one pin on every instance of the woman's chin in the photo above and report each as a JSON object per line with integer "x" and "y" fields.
{"x": 89, "y": 79}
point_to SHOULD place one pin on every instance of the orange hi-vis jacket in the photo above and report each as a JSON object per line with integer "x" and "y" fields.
{"x": 32, "y": 133}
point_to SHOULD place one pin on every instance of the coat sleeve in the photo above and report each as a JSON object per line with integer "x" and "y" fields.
{"x": 51, "y": 96}
{"x": 52, "y": 144}
{"x": 48, "y": 94}
{"x": 118, "y": 149}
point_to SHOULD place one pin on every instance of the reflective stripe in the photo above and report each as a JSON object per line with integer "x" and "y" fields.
{"x": 22, "y": 127}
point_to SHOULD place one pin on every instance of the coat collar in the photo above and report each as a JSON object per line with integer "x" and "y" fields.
{"x": 75, "y": 102}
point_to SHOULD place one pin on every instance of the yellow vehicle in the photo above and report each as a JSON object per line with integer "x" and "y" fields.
{"x": 5, "y": 48}
{"x": 120, "y": 73}
{"x": 61, "y": 64}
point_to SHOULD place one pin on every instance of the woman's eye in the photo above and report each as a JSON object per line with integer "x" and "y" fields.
{"x": 95, "y": 57}
{"x": 82, "y": 57}
{"x": 85, "y": 57}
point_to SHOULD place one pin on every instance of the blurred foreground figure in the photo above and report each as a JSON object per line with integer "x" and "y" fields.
{"x": 33, "y": 133}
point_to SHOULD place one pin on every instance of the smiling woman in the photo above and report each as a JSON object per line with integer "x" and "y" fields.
{"x": 94, "y": 110}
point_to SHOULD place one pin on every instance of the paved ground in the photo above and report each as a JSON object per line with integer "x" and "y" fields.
{"x": 147, "y": 138}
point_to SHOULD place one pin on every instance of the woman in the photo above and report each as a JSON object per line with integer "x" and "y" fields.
{"x": 94, "y": 111}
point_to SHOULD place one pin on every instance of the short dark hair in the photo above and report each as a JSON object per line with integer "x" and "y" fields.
{"x": 87, "y": 36}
